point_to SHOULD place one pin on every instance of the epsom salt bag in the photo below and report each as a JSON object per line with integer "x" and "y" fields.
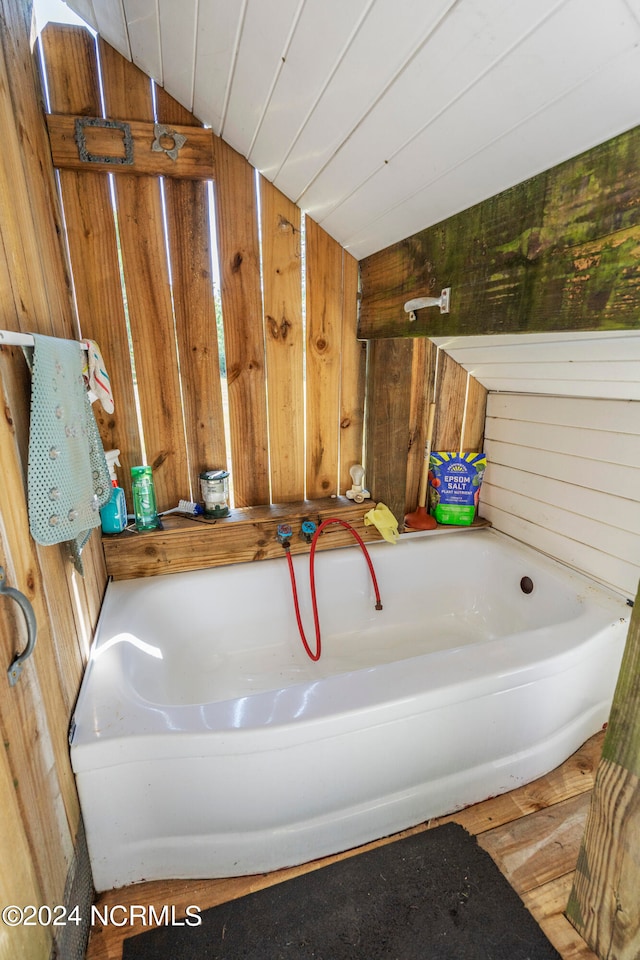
{"x": 454, "y": 486}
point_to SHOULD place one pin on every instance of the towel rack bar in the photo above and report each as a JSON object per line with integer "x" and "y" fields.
{"x": 12, "y": 338}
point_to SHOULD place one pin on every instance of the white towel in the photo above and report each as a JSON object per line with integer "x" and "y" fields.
{"x": 96, "y": 377}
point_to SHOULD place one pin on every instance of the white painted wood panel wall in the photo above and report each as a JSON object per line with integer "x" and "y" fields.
{"x": 563, "y": 476}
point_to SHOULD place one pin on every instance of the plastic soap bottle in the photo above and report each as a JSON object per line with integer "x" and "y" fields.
{"x": 114, "y": 513}
{"x": 144, "y": 499}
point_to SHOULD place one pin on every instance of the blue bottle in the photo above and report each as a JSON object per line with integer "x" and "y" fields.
{"x": 114, "y": 513}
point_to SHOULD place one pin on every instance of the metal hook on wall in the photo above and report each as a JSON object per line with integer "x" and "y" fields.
{"x": 15, "y": 668}
{"x": 443, "y": 301}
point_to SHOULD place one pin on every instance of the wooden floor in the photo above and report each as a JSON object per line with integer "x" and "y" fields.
{"x": 532, "y": 833}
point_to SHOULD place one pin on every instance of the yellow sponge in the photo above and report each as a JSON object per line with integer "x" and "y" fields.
{"x": 384, "y": 521}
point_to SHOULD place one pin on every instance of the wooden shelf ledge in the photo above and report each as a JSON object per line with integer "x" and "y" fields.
{"x": 245, "y": 535}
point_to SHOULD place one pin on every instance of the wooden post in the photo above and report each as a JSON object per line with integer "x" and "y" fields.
{"x": 422, "y": 393}
{"x": 91, "y": 238}
{"x": 127, "y": 93}
{"x": 324, "y": 340}
{"x": 352, "y": 376}
{"x": 388, "y": 419}
{"x": 284, "y": 336}
{"x": 238, "y": 245}
{"x": 194, "y": 308}
{"x": 604, "y": 905}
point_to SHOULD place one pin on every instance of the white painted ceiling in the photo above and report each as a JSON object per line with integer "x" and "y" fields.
{"x": 383, "y": 117}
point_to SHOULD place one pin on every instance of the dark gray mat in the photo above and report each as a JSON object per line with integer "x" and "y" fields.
{"x": 433, "y": 896}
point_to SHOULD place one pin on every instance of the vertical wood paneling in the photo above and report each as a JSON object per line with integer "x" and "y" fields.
{"x": 243, "y": 326}
{"x": 284, "y": 336}
{"x": 34, "y": 713}
{"x": 23, "y": 255}
{"x": 189, "y": 388}
{"x": 267, "y": 456}
{"x": 422, "y": 377}
{"x": 353, "y": 364}
{"x": 35, "y": 294}
{"x": 140, "y": 219}
{"x": 91, "y": 237}
{"x": 188, "y": 226}
{"x": 32, "y": 187}
{"x": 473, "y": 434}
{"x": 37, "y": 282}
{"x": 450, "y": 394}
{"x": 459, "y": 423}
{"x": 324, "y": 341}
{"x": 603, "y": 905}
{"x": 19, "y": 885}
{"x": 387, "y": 429}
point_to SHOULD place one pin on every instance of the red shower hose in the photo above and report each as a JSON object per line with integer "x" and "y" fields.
{"x": 312, "y": 582}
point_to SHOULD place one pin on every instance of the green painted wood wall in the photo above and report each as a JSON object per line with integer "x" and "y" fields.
{"x": 559, "y": 252}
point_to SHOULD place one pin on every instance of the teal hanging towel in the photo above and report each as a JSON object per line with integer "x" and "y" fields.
{"x": 68, "y": 477}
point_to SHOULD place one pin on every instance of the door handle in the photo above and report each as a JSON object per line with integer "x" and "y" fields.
{"x": 15, "y": 668}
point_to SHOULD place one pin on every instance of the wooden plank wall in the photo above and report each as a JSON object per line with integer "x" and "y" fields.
{"x": 556, "y": 252}
{"x": 403, "y": 377}
{"x": 294, "y": 369}
{"x": 40, "y": 813}
{"x": 563, "y": 475}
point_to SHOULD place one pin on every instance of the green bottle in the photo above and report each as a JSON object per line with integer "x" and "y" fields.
{"x": 144, "y": 499}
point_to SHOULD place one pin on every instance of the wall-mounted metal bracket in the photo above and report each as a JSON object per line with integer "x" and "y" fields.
{"x": 161, "y": 132}
{"x": 87, "y": 156}
{"x": 15, "y": 668}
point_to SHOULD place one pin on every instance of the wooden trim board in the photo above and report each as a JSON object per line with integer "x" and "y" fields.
{"x": 245, "y": 535}
{"x": 193, "y": 161}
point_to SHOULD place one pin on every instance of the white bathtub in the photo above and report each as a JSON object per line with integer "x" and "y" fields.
{"x": 207, "y": 744}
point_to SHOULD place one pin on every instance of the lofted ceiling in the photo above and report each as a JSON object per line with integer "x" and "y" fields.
{"x": 383, "y": 117}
